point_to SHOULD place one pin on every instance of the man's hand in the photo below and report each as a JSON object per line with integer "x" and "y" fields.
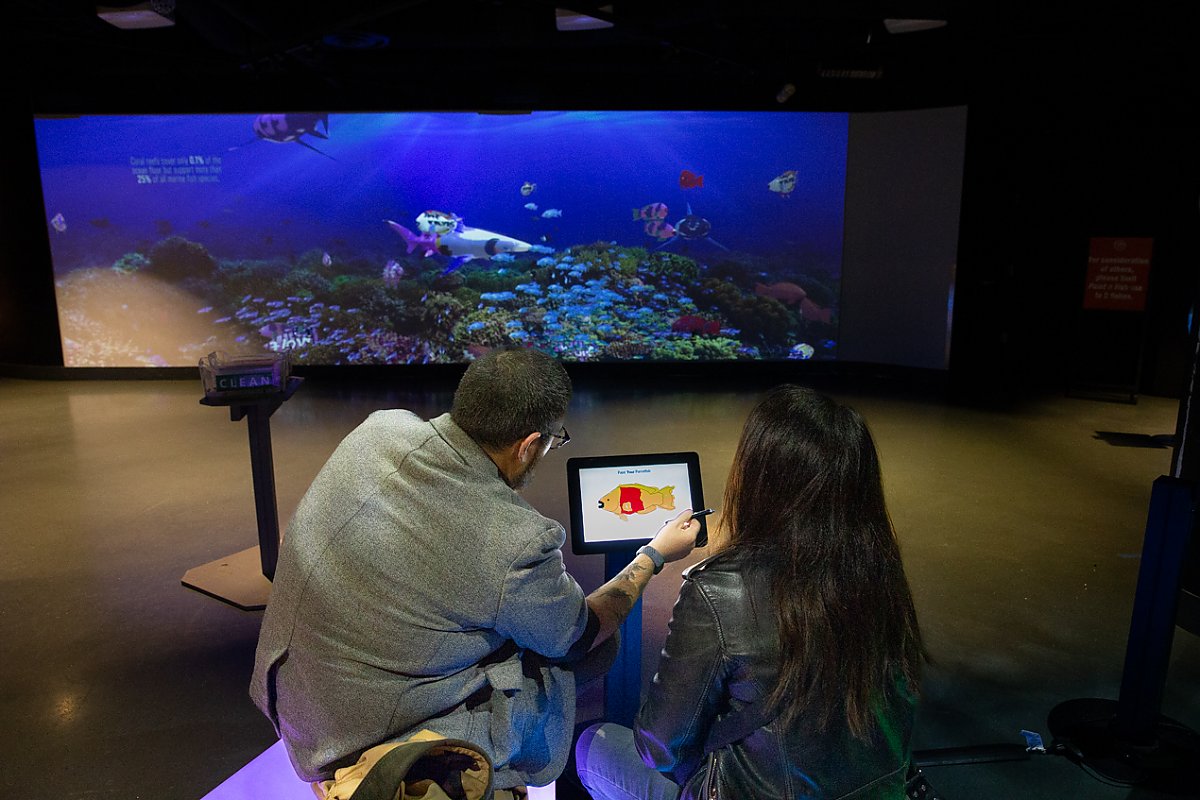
{"x": 677, "y": 538}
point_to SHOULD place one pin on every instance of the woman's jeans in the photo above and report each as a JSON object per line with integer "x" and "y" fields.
{"x": 611, "y": 769}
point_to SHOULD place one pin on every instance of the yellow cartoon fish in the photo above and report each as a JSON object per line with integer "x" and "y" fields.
{"x": 634, "y": 498}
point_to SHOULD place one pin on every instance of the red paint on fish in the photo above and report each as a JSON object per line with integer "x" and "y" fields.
{"x": 631, "y": 500}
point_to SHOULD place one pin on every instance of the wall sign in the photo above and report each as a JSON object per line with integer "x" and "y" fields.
{"x": 1118, "y": 273}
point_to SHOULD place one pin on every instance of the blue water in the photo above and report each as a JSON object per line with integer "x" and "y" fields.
{"x": 274, "y": 199}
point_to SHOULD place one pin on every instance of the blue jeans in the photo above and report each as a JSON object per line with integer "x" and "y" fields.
{"x": 611, "y": 769}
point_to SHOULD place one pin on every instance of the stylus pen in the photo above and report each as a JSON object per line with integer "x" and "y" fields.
{"x": 704, "y": 512}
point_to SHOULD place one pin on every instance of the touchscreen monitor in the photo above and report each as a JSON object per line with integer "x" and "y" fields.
{"x": 619, "y": 502}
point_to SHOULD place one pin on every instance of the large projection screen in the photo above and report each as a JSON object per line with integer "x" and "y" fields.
{"x": 431, "y": 237}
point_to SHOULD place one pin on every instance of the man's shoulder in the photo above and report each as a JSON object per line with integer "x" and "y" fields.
{"x": 385, "y": 434}
{"x": 391, "y": 423}
{"x": 393, "y": 418}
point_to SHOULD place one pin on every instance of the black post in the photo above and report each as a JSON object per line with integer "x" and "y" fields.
{"x": 1152, "y": 628}
{"x": 1185, "y": 463}
{"x": 257, "y": 411}
{"x": 262, "y": 470}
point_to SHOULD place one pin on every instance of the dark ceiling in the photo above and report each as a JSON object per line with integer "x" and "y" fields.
{"x": 353, "y": 54}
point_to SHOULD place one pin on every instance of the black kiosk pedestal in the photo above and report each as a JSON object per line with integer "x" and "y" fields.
{"x": 243, "y": 579}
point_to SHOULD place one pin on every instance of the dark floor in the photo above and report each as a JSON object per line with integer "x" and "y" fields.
{"x": 1021, "y": 531}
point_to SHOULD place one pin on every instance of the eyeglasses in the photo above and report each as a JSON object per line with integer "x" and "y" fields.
{"x": 564, "y": 437}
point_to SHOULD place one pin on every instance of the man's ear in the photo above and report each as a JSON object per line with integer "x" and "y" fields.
{"x": 525, "y": 450}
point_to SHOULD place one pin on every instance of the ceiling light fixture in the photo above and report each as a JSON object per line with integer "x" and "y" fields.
{"x": 567, "y": 20}
{"x": 139, "y": 16}
{"x": 912, "y": 25}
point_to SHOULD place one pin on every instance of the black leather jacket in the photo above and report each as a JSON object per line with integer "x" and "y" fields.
{"x": 719, "y": 657}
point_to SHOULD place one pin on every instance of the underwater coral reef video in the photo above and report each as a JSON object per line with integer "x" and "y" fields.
{"x": 413, "y": 238}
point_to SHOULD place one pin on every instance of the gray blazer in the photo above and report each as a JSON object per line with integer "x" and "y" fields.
{"x": 414, "y": 590}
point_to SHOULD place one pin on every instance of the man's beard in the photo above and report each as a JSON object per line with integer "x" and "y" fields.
{"x": 522, "y": 480}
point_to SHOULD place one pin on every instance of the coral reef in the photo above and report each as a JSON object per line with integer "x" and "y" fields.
{"x": 176, "y": 258}
{"x": 596, "y": 301}
{"x": 130, "y": 262}
{"x": 761, "y": 320}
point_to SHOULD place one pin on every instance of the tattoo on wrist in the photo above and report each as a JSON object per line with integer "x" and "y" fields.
{"x": 623, "y": 591}
{"x": 619, "y": 597}
{"x": 632, "y": 571}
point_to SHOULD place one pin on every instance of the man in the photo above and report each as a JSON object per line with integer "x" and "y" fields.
{"x": 416, "y": 589}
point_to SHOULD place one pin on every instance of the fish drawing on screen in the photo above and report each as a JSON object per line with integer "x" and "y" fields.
{"x": 635, "y": 498}
{"x": 286, "y": 128}
{"x": 783, "y": 291}
{"x": 790, "y": 294}
{"x": 658, "y": 229}
{"x": 461, "y": 245}
{"x": 528, "y": 188}
{"x": 58, "y": 222}
{"x": 815, "y": 313}
{"x": 690, "y": 180}
{"x": 651, "y": 211}
{"x": 783, "y": 184}
{"x": 438, "y": 222}
{"x": 692, "y": 228}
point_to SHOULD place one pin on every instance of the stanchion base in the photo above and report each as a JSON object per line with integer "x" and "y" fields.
{"x": 1085, "y": 732}
{"x": 236, "y": 579}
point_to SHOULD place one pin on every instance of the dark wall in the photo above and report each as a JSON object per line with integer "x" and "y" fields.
{"x": 28, "y": 316}
{"x": 1041, "y": 179}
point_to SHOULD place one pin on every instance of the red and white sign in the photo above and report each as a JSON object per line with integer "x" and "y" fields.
{"x": 1118, "y": 274}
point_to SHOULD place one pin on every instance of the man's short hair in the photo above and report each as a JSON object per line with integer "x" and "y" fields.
{"x": 508, "y": 394}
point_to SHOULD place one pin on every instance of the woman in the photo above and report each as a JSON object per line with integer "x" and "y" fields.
{"x": 798, "y": 639}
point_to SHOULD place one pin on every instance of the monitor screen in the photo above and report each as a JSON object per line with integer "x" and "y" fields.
{"x": 620, "y": 502}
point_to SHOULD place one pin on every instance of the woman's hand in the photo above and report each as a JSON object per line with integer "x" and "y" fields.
{"x": 677, "y": 538}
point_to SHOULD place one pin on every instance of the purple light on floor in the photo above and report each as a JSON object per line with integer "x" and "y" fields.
{"x": 270, "y": 777}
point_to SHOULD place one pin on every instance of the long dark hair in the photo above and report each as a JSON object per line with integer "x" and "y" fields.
{"x": 805, "y": 493}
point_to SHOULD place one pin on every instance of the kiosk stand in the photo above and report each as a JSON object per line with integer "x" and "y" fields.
{"x": 243, "y": 579}
{"x": 617, "y": 503}
{"x": 623, "y": 683}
